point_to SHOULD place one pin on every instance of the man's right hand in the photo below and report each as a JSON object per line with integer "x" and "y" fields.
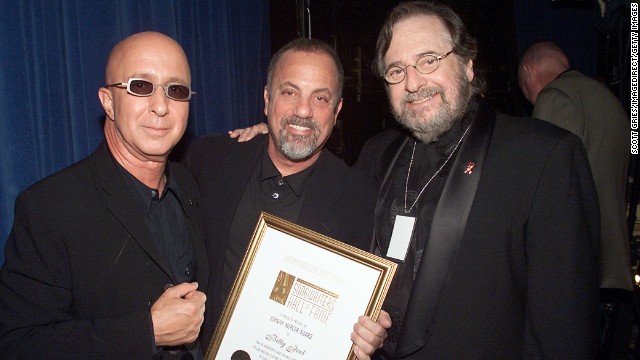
{"x": 178, "y": 314}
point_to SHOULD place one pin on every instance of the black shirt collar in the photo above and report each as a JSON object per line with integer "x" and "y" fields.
{"x": 295, "y": 181}
{"x": 146, "y": 193}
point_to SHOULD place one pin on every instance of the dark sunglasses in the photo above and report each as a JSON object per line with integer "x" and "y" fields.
{"x": 143, "y": 87}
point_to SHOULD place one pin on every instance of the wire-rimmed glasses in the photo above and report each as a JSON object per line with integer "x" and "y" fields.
{"x": 426, "y": 64}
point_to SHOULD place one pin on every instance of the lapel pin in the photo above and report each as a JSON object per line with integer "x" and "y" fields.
{"x": 469, "y": 168}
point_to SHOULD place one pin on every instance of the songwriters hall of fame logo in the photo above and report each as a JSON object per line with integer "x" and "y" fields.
{"x": 303, "y": 297}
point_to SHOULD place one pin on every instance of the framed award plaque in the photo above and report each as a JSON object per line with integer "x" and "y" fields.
{"x": 297, "y": 296}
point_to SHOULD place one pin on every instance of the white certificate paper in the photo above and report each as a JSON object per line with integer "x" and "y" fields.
{"x": 297, "y": 296}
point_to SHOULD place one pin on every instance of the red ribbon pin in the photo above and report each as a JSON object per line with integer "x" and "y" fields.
{"x": 469, "y": 168}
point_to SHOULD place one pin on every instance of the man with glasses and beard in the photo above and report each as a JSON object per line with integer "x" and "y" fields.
{"x": 493, "y": 219}
{"x": 287, "y": 173}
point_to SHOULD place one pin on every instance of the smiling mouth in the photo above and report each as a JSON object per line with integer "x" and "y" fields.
{"x": 420, "y": 101}
{"x": 299, "y": 128}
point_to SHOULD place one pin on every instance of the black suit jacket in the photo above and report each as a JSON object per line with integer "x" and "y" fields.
{"x": 338, "y": 201}
{"x": 510, "y": 267}
{"x": 81, "y": 269}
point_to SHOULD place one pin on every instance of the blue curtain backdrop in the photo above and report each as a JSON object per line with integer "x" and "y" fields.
{"x": 52, "y": 59}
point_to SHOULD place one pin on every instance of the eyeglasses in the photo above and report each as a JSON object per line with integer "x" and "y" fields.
{"x": 143, "y": 87}
{"x": 426, "y": 64}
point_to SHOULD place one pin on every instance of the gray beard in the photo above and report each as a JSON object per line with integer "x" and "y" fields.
{"x": 430, "y": 130}
{"x": 296, "y": 147}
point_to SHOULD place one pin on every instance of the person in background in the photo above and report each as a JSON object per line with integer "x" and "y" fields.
{"x": 106, "y": 259}
{"x": 585, "y": 107}
{"x": 287, "y": 173}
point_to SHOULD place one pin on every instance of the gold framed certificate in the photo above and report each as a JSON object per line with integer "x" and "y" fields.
{"x": 297, "y": 295}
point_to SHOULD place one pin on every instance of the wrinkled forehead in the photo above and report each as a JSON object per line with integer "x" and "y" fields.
{"x": 296, "y": 66}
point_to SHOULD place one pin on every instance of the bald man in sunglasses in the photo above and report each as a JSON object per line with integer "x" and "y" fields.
{"x": 105, "y": 259}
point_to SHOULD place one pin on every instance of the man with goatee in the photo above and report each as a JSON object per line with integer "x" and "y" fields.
{"x": 287, "y": 173}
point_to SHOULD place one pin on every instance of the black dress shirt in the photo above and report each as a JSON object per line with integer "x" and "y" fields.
{"x": 427, "y": 159}
{"x": 267, "y": 191}
{"x": 165, "y": 219}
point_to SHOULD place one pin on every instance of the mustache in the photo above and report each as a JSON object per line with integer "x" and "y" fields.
{"x": 422, "y": 93}
{"x": 306, "y": 122}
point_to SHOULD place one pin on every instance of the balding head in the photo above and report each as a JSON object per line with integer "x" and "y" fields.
{"x": 144, "y": 129}
{"x": 139, "y": 46}
{"x": 540, "y": 64}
